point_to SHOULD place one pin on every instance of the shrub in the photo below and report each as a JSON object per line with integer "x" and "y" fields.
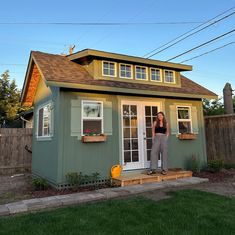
{"x": 229, "y": 165}
{"x": 39, "y": 184}
{"x": 215, "y": 165}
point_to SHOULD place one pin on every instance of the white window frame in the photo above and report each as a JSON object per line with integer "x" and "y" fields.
{"x": 167, "y": 70}
{"x": 50, "y": 134}
{"x": 93, "y": 118}
{"x": 184, "y": 120}
{"x": 150, "y": 75}
{"x": 131, "y": 77}
{"x": 146, "y": 69}
{"x": 115, "y": 68}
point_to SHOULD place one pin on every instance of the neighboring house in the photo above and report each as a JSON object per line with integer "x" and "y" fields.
{"x": 27, "y": 119}
{"x": 115, "y": 95}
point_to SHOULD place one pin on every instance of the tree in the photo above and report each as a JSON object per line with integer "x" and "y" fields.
{"x": 213, "y": 107}
{"x": 9, "y": 100}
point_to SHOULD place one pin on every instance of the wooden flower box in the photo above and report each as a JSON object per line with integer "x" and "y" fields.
{"x": 187, "y": 136}
{"x": 94, "y": 138}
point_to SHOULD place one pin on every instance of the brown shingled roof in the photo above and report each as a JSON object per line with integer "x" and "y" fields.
{"x": 57, "y": 68}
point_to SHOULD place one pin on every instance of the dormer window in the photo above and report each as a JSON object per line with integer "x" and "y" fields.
{"x": 125, "y": 71}
{"x": 155, "y": 75}
{"x": 140, "y": 73}
{"x": 109, "y": 69}
{"x": 169, "y": 76}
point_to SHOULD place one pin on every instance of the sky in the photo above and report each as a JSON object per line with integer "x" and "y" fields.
{"x": 175, "y": 17}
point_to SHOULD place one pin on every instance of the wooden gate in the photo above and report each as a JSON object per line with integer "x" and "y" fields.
{"x": 15, "y": 154}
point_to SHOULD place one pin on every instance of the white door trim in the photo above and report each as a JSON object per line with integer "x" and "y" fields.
{"x": 143, "y": 163}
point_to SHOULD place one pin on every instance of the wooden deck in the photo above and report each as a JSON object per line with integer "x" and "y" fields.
{"x": 141, "y": 178}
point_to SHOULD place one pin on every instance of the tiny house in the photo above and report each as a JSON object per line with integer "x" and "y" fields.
{"x": 94, "y": 109}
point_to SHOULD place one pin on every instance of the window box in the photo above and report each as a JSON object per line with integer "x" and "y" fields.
{"x": 94, "y": 138}
{"x": 187, "y": 136}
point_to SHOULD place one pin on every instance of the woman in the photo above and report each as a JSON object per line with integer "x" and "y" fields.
{"x": 160, "y": 134}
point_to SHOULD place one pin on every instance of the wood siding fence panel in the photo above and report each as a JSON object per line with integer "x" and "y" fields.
{"x": 220, "y": 137}
{"x": 14, "y": 158}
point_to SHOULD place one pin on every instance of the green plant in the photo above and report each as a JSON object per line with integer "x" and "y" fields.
{"x": 215, "y": 165}
{"x": 195, "y": 164}
{"x": 229, "y": 165}
{"x": 39, "y": 184}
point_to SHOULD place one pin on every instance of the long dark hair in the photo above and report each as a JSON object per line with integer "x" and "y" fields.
{"x": 164, "y": 119}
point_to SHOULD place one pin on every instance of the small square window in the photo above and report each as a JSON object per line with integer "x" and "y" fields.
{"x": 155, "y": 75}
{"x": 109, "y": 69}
{"x": 141, "y": 73}
{"x": 125, "y": 71}
{"x": 169, "y": 76}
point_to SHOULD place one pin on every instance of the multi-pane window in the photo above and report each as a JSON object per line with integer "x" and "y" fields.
{"x": 140, "y": 72}
{"x": 184, "y": 120}
{"x": 155, "y": 75}
{"x": 125, "y": 71}
{"x": 169, "y": 76}
{"x": 109, "y": 68}
{"x": 92, "y": 117}
{"x": 44, "y": 121}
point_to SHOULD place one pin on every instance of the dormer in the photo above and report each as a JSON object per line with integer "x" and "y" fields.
{"x": 123, "y": 68}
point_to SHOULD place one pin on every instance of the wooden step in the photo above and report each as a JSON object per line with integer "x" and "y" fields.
{"x": 141, "y": 178}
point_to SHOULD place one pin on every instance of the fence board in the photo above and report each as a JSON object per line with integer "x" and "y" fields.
{"x": 13, "y": 156}
{"x": 220, "y": 137}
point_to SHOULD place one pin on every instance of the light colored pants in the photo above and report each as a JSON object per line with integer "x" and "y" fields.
{"x": 159, "y": 146}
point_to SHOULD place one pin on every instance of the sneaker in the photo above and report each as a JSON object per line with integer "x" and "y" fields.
{"x": 150, "y": 172}
{"x": 164, "y": 172}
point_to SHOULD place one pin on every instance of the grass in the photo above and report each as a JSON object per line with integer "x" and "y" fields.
{"x": 186, "y": 212}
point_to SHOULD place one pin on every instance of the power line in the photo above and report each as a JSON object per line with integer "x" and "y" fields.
{"x": 180, "y": 36}
{"x": 208, "y": 52}
{"x": 203, "y": 44}
{"x": 100, "y": 23}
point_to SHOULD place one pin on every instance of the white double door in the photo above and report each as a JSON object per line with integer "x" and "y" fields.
{"x": 137, "y": 118}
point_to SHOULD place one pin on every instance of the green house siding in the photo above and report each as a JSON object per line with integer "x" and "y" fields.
{"x": 46, "y": 152}
{"x": 65, "y": 152}
{"x": 87, "y": 158}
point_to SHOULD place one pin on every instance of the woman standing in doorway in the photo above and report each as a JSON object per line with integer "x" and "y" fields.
{"x": 160, "y": 134}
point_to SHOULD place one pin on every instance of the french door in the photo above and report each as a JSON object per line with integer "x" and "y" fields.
{"x": 137, "y": 118}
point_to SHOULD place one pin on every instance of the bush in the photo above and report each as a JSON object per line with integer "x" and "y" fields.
{"x": 215, "y": 165}
{"x": 229, "y": 165}
{"x": 39, "y": 184}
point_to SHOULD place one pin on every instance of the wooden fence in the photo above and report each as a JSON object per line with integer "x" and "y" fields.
{"x": 220, "y": 137}
{"x": 14, "y": 156}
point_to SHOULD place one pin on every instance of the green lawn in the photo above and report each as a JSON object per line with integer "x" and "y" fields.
{"x": 186, "y": 212}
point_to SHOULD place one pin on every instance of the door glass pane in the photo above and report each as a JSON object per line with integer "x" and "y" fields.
{"x": 148, "y": 132}
{"x": 127, "y": 156}
{"x": 127, "y": 144}
{"x": 148, "y": 154}
{"x": 126, "y": 132}
{"x": 148, "y": 121}
{"x": 126, "y": 121}
{"x": 135, "y": 156}
{"x": 134, "y": 143}
{"x": 147, "y": 111}
{"x": 125, "y": 109}
{"x": 134, "y": 133}
{"x": 149, "y": 143}
{"x": 133, "y": 110}
{"x": 154, "y": 110}
{"x": 134, "y": 121}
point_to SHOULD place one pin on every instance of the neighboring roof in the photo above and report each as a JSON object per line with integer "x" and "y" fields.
{"x": 59, "y": 71}
{"x": 127, "y": 58}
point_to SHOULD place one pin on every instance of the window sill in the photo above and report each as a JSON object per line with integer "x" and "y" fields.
{"x": 94, "y": 138}
{"x": 46, "y": 138}
{"x": 187, "y": 136}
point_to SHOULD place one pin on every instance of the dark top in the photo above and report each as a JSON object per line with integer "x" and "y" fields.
{"x": 160, "y": 129}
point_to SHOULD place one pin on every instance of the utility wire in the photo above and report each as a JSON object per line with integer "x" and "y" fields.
{"x": 149, "y": 55}
{"x": 208, "y": 52}
{"x": 201, "y": 45}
